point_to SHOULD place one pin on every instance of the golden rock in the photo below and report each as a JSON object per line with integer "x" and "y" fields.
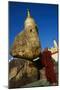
{"x": 26, "y": 44}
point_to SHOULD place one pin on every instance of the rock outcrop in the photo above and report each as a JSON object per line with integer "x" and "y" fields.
{"x": 21, "y": 72}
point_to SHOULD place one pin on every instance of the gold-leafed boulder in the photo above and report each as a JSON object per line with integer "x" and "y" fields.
{"x": 26, "y": 44}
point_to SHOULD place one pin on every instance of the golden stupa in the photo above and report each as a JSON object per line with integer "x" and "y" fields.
{"x": 26, "y": 44}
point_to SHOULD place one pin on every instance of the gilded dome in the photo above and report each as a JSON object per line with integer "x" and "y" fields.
{"x": 29, "y": 20}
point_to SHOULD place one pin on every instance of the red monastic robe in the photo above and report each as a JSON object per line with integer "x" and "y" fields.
{"x": 49, "y": 66}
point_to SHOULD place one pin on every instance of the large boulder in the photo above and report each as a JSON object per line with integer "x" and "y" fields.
{"x": 21, "y": 72}
{"x": 27, "y": 44}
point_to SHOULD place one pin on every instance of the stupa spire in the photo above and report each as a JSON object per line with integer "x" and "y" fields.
{"x": 28, "y": 13}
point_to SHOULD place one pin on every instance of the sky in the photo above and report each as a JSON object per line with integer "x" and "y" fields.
{"x": 45, "y": 16}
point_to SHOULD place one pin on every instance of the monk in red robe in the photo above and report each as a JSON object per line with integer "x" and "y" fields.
{"x": 49, "y": 66}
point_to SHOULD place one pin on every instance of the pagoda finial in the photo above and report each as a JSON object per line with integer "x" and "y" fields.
{"x": 28, "y": 13}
